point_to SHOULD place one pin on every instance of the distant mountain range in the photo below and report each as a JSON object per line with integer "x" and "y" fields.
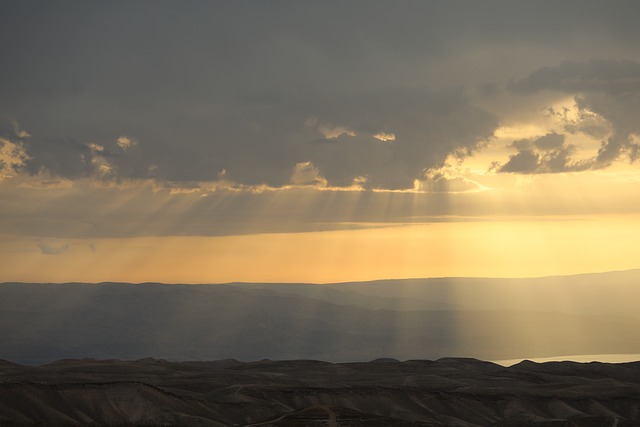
{"x": 403, "y": 319}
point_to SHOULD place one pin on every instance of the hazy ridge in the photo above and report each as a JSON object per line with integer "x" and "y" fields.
{"x": 405, "y": 319}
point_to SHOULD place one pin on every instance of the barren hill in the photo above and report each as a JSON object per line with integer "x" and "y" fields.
{"x": 445, "y": 392}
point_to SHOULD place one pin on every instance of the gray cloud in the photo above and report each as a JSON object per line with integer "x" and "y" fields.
{"x": 10, "y": 130}
{"x": 582, "y": 121}
{"x": 52, "y": 247}
{"x": 13, "y": 155}
{"x": 550, "y": 141}
{"x": 608, "y": 88}
{"x": 545, "y": 154}
{"x": 61, "y": 157}
{"x": 268, "y": 137}
{"x": 440, "y": 181}
{"x": 596, "y": 75}
{"x": 427, "y": 126}
{"x": 207, "y": 87}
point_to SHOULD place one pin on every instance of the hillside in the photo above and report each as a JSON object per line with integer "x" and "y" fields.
{"x": 445, "y": 392}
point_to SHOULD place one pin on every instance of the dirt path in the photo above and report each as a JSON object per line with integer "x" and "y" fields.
{"x": 333, "y": 419}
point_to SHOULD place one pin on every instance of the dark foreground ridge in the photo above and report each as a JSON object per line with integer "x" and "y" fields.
{"x": 385, "y": 392}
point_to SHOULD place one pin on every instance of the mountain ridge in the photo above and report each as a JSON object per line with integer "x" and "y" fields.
{"x": 482, "y": 318}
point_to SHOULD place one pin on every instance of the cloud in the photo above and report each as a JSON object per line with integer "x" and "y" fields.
{"x": 52, "y": 247}
{"x": 305, "y": 173}
{"x": 429, "y": 125}
{"x": 125, "y": 143}
{"x": 13, "y": 155}
{"x": 447, "y": 179}
{"x": 10, "y": 130}
{"x": 385, "y": 136}
{"x": 330, "y": 132}
{"x": 606, "y": 89}
{"x": 65, "y": 158}
{"x": 579, "y": 119}
{"x": 72, "y": 159}
{"x": 596, "y": 75}
{"x": 526, "y": 161}
{"x": 219, "y": 96}
{"x": 546, "y": 154}
{"x": 12, "y": 158}
{"x": 548, "y": 142}
{"x": 62, "y": 159}
{"x": 254, "y": 99}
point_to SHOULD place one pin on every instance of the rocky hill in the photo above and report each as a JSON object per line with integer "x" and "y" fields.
{"x": 445, "y": 392}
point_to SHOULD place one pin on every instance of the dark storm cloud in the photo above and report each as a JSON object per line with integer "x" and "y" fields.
{"x": 608, "y": 88}
{"x": 212, "y": 87}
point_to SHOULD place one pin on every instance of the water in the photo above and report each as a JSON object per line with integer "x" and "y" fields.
{"x": 582, "y": 358}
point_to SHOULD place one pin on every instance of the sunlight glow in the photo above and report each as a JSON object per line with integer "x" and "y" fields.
{"x": 385, "y": 136}
{"x": 508, "y": 248}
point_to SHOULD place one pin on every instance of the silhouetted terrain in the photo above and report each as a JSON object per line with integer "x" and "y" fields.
{"x": 445, "y": 392}
{"x": 405, "y": 319}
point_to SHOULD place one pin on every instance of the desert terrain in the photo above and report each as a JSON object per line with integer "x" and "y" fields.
{"x": 444, "y": 392}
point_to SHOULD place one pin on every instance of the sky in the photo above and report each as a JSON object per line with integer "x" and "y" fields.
{"x": 300, "y": 141}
